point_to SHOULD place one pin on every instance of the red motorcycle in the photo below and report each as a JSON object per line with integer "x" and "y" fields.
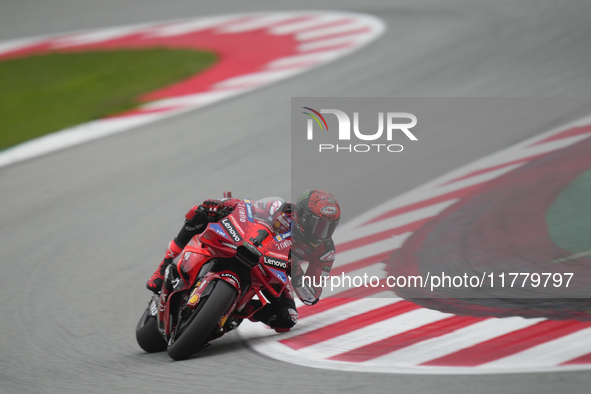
{"x": 208, "y": 288}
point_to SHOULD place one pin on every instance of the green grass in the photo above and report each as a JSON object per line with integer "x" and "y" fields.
{"x": 46, "y": 93}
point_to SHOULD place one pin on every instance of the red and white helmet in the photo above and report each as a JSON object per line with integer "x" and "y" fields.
{"x": 317, "y": 214}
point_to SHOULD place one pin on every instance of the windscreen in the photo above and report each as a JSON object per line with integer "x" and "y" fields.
{"x": 272, "y": 211}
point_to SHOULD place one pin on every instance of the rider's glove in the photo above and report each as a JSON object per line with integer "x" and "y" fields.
{"x": 307, "y": 293}
{"x": 212, "y": 208}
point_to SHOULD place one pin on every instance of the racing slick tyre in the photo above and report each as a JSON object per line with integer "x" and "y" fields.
{"x": 147, "y": 334}
{"x": 195, "y": 328}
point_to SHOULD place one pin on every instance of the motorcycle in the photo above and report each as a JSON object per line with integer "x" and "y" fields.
{"x": 208, "y": 288}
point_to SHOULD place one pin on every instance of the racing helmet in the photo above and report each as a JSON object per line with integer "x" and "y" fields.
{"x": 317, "y": 214}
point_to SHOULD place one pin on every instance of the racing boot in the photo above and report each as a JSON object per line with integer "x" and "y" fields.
{"x": 155, "y": 282}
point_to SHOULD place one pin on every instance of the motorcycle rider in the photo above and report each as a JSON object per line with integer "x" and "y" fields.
{"x": 314, "y": 219}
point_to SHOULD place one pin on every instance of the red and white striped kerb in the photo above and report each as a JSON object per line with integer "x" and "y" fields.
{"x": 390, "y": 335}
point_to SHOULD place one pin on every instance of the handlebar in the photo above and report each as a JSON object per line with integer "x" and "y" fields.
{"x": 214, "y": 216}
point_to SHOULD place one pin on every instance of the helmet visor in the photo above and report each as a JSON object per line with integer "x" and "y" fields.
{"x": 322, "y": 228}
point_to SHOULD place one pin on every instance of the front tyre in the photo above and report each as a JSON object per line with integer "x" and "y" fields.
{"x": 202, "y": 321}
{"x": 147, "y": 334}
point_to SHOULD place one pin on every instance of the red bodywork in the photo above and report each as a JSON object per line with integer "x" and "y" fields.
{"x": 241, "y": 230}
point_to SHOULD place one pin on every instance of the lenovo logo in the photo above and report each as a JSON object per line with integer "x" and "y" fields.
{"x": 275, "y": 263}
{"x": 231, "y": 230}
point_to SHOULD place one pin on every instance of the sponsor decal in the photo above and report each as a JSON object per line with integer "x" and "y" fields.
{"x": 194, "y": 299}
{"x": 229, "y": 245}
{"x": 305, "y": 293}
{"x": 277, "y": 255}
{"x": 186, "y": 256}
{"x": 303, "y": 196}
{"x": 252, "y": 248}
{"x": 279, "y": 274}
{"x": 329, "y": 210}
{"x": 284, "y": 244}
{"x": 328, "y": 257}
{"x": 231, "y": 230}
{"x": 218, "y": 229}
{"x": 284, "y": 220}
{"x": 275, "y": 206}
{"x": 194, "y": 228}
{"x": 242, "y": 213}
{"x": 326, "y": 268}
{"x": 260, "y": 267}
{"x": 231, "y": 277}
{"x": 236, "y": 225}
{"x": 283, "y": 236}
{"x": 275, "y": 262}
{"x": 248, "y": 205}
{"x": 223, "y": 321}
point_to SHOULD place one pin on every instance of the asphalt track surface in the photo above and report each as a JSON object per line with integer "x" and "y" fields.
{"x": 82, "y": 229}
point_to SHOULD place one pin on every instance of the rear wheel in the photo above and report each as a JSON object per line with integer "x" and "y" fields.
{"x": 147, "y": 334}
{"x": 194, "y": 329}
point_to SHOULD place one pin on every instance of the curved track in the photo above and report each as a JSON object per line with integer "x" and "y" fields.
{"x": 82, "y": 229}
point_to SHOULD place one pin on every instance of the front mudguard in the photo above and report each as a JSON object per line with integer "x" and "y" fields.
{"x": 204, "y": 289}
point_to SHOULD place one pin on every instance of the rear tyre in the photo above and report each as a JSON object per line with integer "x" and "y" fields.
{"x": 202, "y": 322}
{"x": 147, "y": 334}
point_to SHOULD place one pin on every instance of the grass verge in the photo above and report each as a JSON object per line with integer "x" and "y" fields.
{"x": 46, "y": 93}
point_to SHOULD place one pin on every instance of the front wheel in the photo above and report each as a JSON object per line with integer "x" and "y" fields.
{"x": 147, "y": 334}
{"x": 196, "y": 327}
